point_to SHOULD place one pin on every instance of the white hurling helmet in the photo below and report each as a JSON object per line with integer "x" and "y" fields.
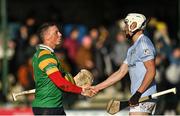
{"x": 140, "y": 19}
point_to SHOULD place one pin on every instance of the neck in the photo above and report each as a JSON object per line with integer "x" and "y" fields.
{"x": 49, "y": 45}
{"x": 136, "y": 36}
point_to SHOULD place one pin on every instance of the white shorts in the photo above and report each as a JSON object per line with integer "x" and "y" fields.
{"x": 148, "y": 107}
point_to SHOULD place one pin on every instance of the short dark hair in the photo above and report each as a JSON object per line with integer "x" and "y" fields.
{"x": 43, "y": 28}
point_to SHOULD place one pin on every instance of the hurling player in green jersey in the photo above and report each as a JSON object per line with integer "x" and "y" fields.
{"x": 48, "y": 75}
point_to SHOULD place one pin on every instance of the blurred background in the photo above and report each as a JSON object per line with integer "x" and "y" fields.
{"x": 93, "y": 38}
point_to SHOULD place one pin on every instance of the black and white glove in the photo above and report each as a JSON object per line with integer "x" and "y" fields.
{"x": 134, "y": 100}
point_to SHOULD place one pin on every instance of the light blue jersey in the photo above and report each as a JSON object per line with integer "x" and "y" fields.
{"x": 142, "y": 50}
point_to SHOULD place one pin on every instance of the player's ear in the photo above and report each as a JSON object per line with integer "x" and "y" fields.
{"x": 47, "y": 36}
{"x": 133, "y": 25}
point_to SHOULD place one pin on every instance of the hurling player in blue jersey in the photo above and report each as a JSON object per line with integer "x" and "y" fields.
{"x": 139, "y": 63}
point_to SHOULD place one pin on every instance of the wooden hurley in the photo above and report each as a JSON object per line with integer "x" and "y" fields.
{"x": 115, "y": 106}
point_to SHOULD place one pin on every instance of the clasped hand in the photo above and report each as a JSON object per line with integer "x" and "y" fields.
{"x": 89, "y": 91}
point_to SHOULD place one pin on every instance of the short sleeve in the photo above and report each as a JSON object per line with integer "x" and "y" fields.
{"x": 146, "y": 50}
{"x": 125, "y": 61}
{"x": 146, "y": 54}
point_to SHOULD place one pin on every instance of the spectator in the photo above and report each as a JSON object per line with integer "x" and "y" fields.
{"x": 32, "y": 43}
{"x": 84, "y": 58}
{"x": 173, "y": 80}
{"x": 71, "y": 45}
{"x": 25, "y": 75}
{"x": 118, "y": 55}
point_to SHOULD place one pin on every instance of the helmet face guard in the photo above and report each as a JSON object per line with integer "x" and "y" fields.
{"x": 135, "y": 21}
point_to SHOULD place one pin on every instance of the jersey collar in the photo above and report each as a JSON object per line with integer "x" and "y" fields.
{"x": 138, "y": 39}
{"x": 42, "y": 46}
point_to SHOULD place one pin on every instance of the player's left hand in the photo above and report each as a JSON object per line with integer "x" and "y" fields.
{"x": 134, "y": 100}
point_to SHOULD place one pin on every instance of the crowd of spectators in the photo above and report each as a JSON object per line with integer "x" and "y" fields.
{"x": 100, "y": 49}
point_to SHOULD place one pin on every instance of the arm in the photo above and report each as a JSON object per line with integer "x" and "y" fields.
{"x": 116, "y": 76}
{"x": 67, "y": 86}
{"x": 62, "y": 83}
{"x": 149, "y": 76}
{"x": 49, "y": 65}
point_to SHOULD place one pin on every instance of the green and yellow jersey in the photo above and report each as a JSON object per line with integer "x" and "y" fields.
{"x": 47, "y": 93}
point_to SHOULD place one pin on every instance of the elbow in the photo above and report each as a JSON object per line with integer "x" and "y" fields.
{"x": 152, "y": 73}
{"x": 63, "y": 87}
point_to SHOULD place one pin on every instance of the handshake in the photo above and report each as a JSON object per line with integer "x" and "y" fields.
{"x": 83, "y": 79}
{"x": 89, "y": 91}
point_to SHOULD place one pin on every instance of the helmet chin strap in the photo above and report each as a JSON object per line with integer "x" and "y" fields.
{"x": 133, "y": 33}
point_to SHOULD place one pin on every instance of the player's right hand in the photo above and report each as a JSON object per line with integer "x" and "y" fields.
{"x": 86, "y": 91}
{"x": 134, "y": 100}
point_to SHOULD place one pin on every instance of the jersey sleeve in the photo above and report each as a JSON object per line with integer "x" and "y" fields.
{"x": 146, "y": 52}
{"x": 63, "y": 84}
{"x": 125, "y": 61}
{"x": 48, "y": 64}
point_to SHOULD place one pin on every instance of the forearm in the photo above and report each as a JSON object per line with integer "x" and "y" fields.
{"x": 146, "y": 82}
{"x": 108, "y": 82}
{"x": 148, "y": 78}
{"x": 118, "y": 75}
{"x": 63, "y": 84}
